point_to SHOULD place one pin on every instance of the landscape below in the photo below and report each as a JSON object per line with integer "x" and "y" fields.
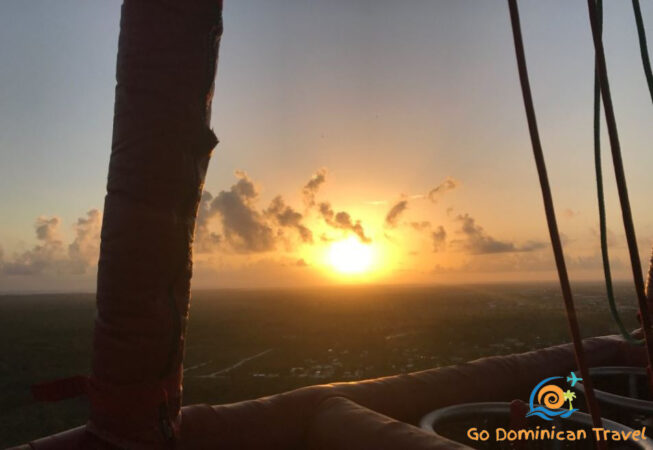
{"x": 244, "y": 344}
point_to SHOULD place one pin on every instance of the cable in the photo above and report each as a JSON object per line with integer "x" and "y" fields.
{"x": 590, "y": 398}
{"x": 643, "y": 47}
{"x": 601, "y": 198}
{"x": 621, "y": 185}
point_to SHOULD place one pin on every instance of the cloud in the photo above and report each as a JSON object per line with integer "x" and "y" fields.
{"x": 285, "y": 216}
{"x": 569, "y": 213}
{"x": 84, "y": 251}
{"x": 447, "y": 184}
{"x": 530, "y": 246}
{"x": 47, "y": 230}
{"x": 391, "y": 219}
{"x": 439, "y": 237}
{"x": 532, "y": 262}
{"x": 243, "y": 227}
{"x": 51, "y": 255}
{"x": 393, "y": 215}
{"x": 326, "y": 238}
{"x": 342, "y": 220}
{"x": 312, "y": 187}
{"x": 206, "y": 240}
{"x": 612, "y": 239}
{"x": 477, "y": 241}
{"x": 389, "y": 238}
{"x": 420, "y": 226}
{"x": 44, "y": 255}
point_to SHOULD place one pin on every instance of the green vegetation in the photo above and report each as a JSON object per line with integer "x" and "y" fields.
{"x": 293, "y": 337}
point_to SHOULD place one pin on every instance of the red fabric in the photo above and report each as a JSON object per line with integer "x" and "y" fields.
{"x": 129, "y": 399}
{"x": 342, "y": 424}
{"x": 371, "y": 412}
{"x": 57, "y": 390}
{"x": 162, "y": 142}
{"x": 76, "y": 439}
{"x": 281, "y": 421}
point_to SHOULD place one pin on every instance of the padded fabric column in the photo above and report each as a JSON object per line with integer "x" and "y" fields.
{"x": 161, "y": 148}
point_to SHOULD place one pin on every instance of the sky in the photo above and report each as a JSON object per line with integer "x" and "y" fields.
{"x": 363, "y": 141}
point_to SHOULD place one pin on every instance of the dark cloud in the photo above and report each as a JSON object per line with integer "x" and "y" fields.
{"x": 47, "y": 230}
{"x": 285, "y": 216}
{"x": 311, "y": 188}
{"x": 206, "y": 240}
{"x": 420, "y": 226}
{"x": 243, "y": 227}
{"x": 342, "y": 220}
{"x": 439, "y": 237}
{"x": 532, "y": 246}
{"x": 397, "y": 209}
{"x": 447, "y": 184}
{"x": 477, "y": 241}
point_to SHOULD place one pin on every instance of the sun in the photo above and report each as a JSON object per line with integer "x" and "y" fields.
{"x": 350, "y": 256}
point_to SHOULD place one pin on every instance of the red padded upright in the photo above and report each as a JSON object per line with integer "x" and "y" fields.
{"x": 161, "y": 147}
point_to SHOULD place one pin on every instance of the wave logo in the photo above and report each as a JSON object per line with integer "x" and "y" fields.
{"x": 546, "y": 399}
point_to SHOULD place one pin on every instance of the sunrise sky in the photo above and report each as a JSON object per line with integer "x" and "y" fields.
{"x": 362, "y": 141}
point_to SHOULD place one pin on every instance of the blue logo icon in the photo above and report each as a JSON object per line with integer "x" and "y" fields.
{"x": 574, "y": 379}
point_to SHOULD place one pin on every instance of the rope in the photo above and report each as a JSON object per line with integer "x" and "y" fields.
{"x": 590, "y": 398}
{"x": 621, "y": 184}
{"x": 649, "y": 281}
{"x": 600, "y": 195}
{"x": 646, "y": 63}
{"x": 643, "y": 47}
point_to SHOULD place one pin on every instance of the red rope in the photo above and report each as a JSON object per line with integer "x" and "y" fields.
{"x": 556, "y": 244}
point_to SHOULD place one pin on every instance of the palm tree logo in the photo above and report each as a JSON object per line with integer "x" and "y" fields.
{"x": 569, "y": 396}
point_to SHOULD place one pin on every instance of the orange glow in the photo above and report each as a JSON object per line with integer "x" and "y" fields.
{"x": 350, "y": 256}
